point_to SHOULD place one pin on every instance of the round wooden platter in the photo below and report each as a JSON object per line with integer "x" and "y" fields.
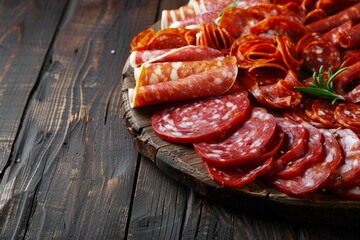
{"x": 183, "y": 164}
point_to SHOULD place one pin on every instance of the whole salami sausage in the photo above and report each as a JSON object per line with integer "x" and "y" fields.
{"x": 350, "y": 37}
{"x": 346, "y": 83}
{"x": 246, "y": 145}
{"x": 202, "y": 120}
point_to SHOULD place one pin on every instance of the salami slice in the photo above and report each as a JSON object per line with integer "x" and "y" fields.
{"x": 279, "y": 26}
{"x": 321, "y": 53}
{"x": 202, "y": 120}
{"x": 237, "y": 21}
{"x": 297, "y": 114}
{"x": 238, "y": 176}
{"x": 212, "y": 83}
{"x": 296, "y": 141}
{"x": 349, "y": 169}
{"x": 280, "y": 94}
{"x": 184, "y": 12}
{"x": 247, "y": 144}
{"x": 315, "y": 175}
{"x": 348, "y": 115}
{"x": 326, "y": 24}
{"x": 350, "y": 37}
{"x": 266, "y": 10}
{"x": 153, "y": 73}
{"x": 315, "y": 153}
{"x": 187, "y": 53}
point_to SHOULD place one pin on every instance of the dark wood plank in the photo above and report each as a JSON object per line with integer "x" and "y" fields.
{"x": 158, "y": 207}
{"x": 26, "y": 31}
{"x": 75, "y": 158}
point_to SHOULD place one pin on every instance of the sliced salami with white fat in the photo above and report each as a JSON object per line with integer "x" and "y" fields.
{"x": 202, "y": 120}
{"x": 247, "y": 144}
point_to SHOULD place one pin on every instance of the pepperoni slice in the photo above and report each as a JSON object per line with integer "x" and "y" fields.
{"x": 348, "y": 114}
{"x": 296, "y": 141}
{"x": 288, "y": 52}
{"x": 247, "y": 144}
{"x": 316, "y": 174}
{"x": 214, "y": 37}
{"x": 202, "y": 120}
{"x": 236, "y": 21}
{"x": 213, "y": 82}
{"x": 152, "y": 73}
{"x": 314, "y": 153}
{"x": 348, "y": 171}
{"x": 321, "y": 53}
{"x": 324, "y": 112}
{"x": 306, "y": 40}
{"x": 238, "y": 176}
{"x": 140, "y": 41}
{"x": 279, "y": 26}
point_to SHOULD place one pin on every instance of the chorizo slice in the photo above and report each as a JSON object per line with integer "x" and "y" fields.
{"x": 348, "y": 115}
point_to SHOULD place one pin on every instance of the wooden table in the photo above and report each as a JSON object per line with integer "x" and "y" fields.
{"x": 68, "y": 169}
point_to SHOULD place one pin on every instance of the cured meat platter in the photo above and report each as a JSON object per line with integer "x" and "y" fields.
{"x": 181, "y": 162}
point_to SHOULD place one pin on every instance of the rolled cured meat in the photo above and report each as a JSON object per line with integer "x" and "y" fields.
{"x": 205, "y": 84}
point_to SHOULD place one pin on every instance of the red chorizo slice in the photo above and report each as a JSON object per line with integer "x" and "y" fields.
{"x": 315, "y": 15}
{"x": 306, "y": 40}
{"x": 314, "y": 153}
{"x": 153, "y": 73}
{"x": 187, "y": 53}
{"x": 316, "y": 174}
{"x": 326, "y": 24}
{"x": 201, "y": 120}
{"x": 324, "y": 112}
{"x": 349, "y": 169}
{"x": 320, "y": 53}
{"x": 288, "y": 52}
{"x": 214, "y": 37}
{"x": 240, "y": 175}
{"x": 205, "y": 84}
{"x": 297, "y": 114}
{"x": 247, "y": 144}
{"x": 266, "y": 10}
{"x": 350, "y": 37}
{"x": 280, "y": 94}
{"x": 348, "y": 115}
{"x": 279, "y": 26}
{"x": 236, "y": 21}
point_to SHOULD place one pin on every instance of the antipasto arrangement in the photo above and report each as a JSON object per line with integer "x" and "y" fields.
{"x": 262, "y": 89}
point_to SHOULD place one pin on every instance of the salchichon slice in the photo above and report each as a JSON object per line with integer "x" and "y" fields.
{"x": 246, "y": 144}
{"x": 348, "y": 171}
{"x": 312, "y": 177}
{"x": 202, "y": 120}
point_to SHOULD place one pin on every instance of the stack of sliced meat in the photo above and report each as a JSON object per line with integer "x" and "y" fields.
{"x": 240, "y": 143}
{"x": 210, "y": 54}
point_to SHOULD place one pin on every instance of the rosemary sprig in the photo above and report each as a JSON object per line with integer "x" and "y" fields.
{"x": 321, "y": 89}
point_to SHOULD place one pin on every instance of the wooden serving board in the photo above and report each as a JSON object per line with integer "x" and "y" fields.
{"x": 183, "y": 164}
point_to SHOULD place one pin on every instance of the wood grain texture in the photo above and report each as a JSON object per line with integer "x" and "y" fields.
{"x": 27, "y": 29}
{"x": 76, "y": 165}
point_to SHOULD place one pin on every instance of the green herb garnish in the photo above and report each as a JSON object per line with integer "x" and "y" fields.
{"x": 321, "y": 89}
